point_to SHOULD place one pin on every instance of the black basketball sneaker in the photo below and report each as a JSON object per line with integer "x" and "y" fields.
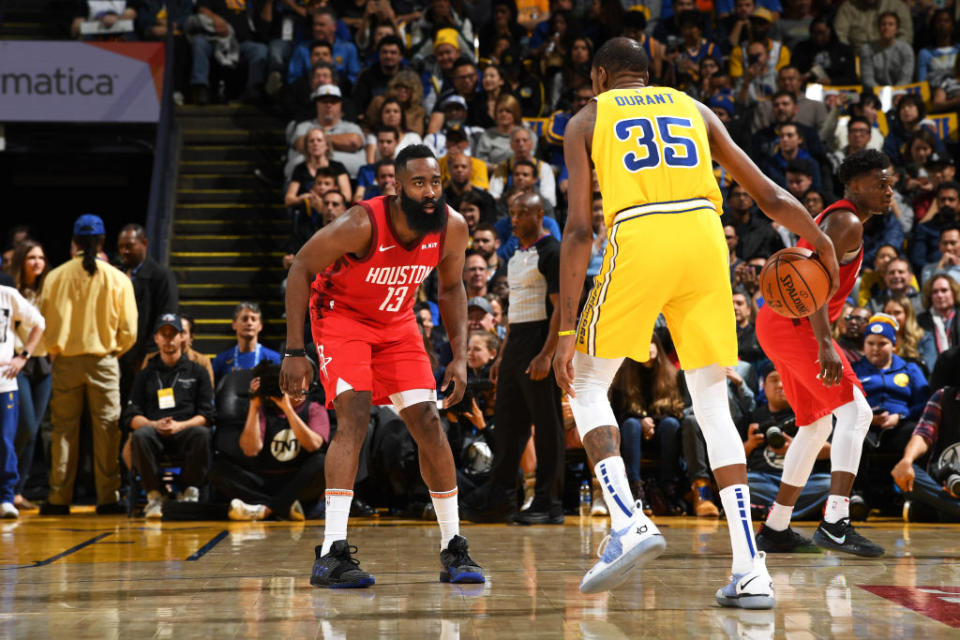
{"x": 841, "y": 536}
{"x": 458, "y": 567}
{"x": 786, "y": 541}
{"x": 338, "y": 569}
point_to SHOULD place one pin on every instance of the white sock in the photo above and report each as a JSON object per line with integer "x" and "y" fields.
{"x": 838, "y": 508}
{"x": 779, "y": 517}
{"x": 335, "y": 521}
{"x": 736, "y": 504}
{"x": 448, "y": 515}
{"x": 616, "y": 491}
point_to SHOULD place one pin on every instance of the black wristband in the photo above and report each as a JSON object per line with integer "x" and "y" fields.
{"x": 295, "y": 353}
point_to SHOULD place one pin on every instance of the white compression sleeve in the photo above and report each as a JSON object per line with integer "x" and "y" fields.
{"x": 803, "y": 451}
{"x": 591, "y": 383}
{"x": 853, "y": 422}
{"x": 708, "y": 388}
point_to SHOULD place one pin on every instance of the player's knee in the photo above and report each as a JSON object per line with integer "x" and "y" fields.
{"x": 591, "y": 410}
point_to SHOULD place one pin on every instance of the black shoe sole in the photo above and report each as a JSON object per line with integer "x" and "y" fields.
{"x": 463, "y": 577}
{"x": 823, "y": 541}
{"x": 345, "y": 584}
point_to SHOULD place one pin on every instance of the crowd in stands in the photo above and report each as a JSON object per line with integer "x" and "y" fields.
{"x": 490, "y": 87}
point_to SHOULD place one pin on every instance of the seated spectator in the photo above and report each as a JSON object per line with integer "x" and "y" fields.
{"x": 871, "y": 280}
{"x": 439, "y": 15}
{"x": 318, "y": 154}
{"x": 897, "y": 390}
{"x": 815, "y": 200}
{"x": 188, "y": 334}
{"x": 486, "y": 242}
{"x": 867, "y": 106}
{"x": 823, "y": 58}
{"x": 335, "y": 204}
{"x": 646, "y": 401}
{"x": 386, "y": 180}
{"x": 457, "y": 143}
{"x": 391, "y": 115}
{"x": 373, "y": 80}
{"x": 941, "y": 299}
{"x": 248, "y": 353}
{"x": 886, "y": 60}
{"x": 850, "y": 339}
{"x": 387, "y": 139}
{"x": 909, "y": 117}
{"x": 730, "y": 234}
{"x": 756, "y": 236}
{"x": 216, "y": 20}
{"x": 99, "y": 20}
{"x": 935, "y": 63}
{"x": 733, "y": 28}
{"x": 438, "y": 66}
{"x": 284, "y": 441}
{"x": 761, "y": 30}
{"x": 472, "y": 208}
{"x": 785, "y": 111}
{"x": 880, "y": 231}
{"x": 943, "y": 212}
{"x": 170, "y": 412}
{"x": 748, "y": 347}
{"x": 789, "y": 150}
{"x": 522, "y": 144}
{"x": 949, "y": 262}
{"x": 896, "y": 281}
{"x": 475, "y": 276}
{"x": 459, "y": 185}
{"x": 795, "y": 22}
{"x": 345, "y": 137}
{"x": 493, "y": 146}
{"x": 683, "y": 68}
{"x": 913, "y": 343}
{"x": 765, "y": 458}
{"x": 529, "y": 88}
{"x": 858, "y": 137}
{"x": 756, "y": 81}
{"x": 946, "y": 94}
{"x": 297, "y": 94}
{"x": 476, "y": 407}
{"x": 406, "y": 88}
{"x": 857, "y": 21}
{"x": 928, "y": 496}
{"x": 810, "y": 113}
{"x": 462, "y": 105}
{"x": 323, "y": 22}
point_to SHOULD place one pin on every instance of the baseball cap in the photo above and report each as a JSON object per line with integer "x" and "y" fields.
{"x": 88, "y": 225}
{"x": 883, "y": 325}
{"x": 480, "y": 302}
{"x": 168, "y": 320}
{"x": 447, "y": 36}
{"x": 722, "y": 101}
{"x": 454, "y": 99}
{"x": 327, "y": 91}
{"x": 763, "y": 14}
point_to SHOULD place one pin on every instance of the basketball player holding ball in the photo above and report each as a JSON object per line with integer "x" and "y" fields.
{"x": 817, "y": 378}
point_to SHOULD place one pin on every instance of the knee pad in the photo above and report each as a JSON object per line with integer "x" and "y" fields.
{"x": 591, "y": 383}
{"x": 708, "y": 389}
{"x": 853, "y": 422}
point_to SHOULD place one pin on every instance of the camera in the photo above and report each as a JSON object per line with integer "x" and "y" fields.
{"x": 753, "y": 59}
{"x": 269, "y": 383}
{"x": 948, "y": 475}
{"x": 774, "y": 437}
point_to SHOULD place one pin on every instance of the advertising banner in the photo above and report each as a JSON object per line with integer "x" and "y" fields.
{"x": 44, "y": 81}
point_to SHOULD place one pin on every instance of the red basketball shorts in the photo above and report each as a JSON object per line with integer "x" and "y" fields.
{"x": 389, "y": 361}
{"x": 792, "y": 347}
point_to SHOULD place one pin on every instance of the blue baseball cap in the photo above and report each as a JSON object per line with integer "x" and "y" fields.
{"x": 89, "y": 225}
{"x": 723, "y": 101}
{"x": 884, "y": 325}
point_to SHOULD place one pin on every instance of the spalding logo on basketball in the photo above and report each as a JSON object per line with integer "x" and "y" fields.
{"x": 794, "y": 282}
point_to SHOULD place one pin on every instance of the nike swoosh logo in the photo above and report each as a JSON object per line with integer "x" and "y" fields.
{"x": 382, "y": 248}
{"x": 743, "y": 585}
{"x": 839, "y": 540}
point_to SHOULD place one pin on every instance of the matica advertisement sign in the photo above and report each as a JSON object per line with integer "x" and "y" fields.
{"x": 44, "y": 81}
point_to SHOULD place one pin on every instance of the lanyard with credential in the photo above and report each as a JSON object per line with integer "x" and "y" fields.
{"x": 236, "y": 358}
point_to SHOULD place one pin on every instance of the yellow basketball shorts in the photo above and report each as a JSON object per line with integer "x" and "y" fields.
{"x": 670, "y": 258}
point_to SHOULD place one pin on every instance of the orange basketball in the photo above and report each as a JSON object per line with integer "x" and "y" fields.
{"x": 794, "y": 282}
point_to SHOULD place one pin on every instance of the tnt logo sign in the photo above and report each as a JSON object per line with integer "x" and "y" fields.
{"x": 285, "y": 446}
{"x": 939, "y": 603}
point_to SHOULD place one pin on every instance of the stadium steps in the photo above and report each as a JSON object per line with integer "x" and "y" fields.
{"x": 229, "y": 224}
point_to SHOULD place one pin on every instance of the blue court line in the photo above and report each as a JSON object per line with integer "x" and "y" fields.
{"x": 63, "y": 554}
{"x": 202, "y": 551}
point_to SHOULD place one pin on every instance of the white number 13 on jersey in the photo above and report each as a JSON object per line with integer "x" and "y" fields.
{"x": 677, "y": 150}
{"x": 394, "y": 299}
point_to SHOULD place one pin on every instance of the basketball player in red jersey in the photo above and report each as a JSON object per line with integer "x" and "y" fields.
{"x": 817, "y": 378}
{"x": 369, "y": 263}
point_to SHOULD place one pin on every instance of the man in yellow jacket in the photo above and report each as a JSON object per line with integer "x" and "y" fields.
{"x": 91, "y": 317}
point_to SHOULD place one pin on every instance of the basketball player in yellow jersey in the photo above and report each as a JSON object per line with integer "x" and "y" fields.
{"x": 652, "y": 148}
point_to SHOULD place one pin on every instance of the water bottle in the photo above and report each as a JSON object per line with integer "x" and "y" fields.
{"x": 585, "y": 498}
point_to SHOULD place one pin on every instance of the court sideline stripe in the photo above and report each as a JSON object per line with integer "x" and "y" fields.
{"x": 202, "y": 551}
{"x": 62, "y": 554}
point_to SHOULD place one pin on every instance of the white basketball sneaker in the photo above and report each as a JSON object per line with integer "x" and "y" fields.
{"x": 633, "y": 546}
{"x": 750, "y": 590}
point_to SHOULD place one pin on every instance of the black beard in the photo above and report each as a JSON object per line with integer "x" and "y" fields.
{"x": 418, "y": 219}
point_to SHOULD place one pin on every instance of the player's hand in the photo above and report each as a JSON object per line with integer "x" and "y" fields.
{"x": 563, "y": 364}
{"x": 539, "y": 367}
{"x": 455, "y": 374}
{"x": 295, "y": 374}
{"x": 827, "y": 254}
{"x": 831, "y": 366}
{"x": 903, "y": 474}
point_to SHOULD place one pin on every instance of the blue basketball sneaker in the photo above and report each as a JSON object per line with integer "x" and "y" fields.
{"x": 339, "y": 569}
{"x": 458, "y": 566}
{"x": 633, "y": 546}
{"x": 750, "y": 590}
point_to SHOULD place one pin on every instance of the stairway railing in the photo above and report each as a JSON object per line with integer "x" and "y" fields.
{"x": 163, "y": 181}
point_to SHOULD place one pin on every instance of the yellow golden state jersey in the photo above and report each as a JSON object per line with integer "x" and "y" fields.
{"x": 650, "y": 147}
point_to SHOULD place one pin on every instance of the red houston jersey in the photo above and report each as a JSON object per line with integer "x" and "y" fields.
{"x": 848, "y": 272}
{"x": 378, "y": 288}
